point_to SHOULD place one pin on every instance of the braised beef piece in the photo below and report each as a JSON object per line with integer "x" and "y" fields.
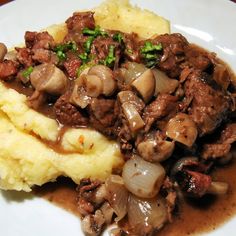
{"x": 159, "y": 108}
{"x": 80, "y": 20}
{"x": 35, "y": 40}
{"x": 132, "y": 47}
{"x": 198, "y": 58}
{"x": 43, "y": 56}
{"x": 125, "y": 138}
{"x": 38, "y": 45}
{"x": 68, "y": 114}
{"x": 72, "y": 64}
{"x": 209, "y": 106}
{"x": 86, "y": 191}
{"x": 24, "y": 56}
{"x": 221, "y": 146}
{"x": 173, "y": 52}
{"x": 8, "y": 69}
{"x": 101, "y": 46}
{"x": 168, "y": 190}
{"x": 103, "y": 114}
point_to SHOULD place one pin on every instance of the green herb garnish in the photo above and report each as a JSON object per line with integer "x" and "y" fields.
{"x": 149, "y": 47}
{"x": 110, "y": 59}
{"x": 96, "y": 32}
{"x": 63, "y": 48}
{"x": 84, "y": 57}
{"x": 149, "y": 53}
{"x": 88, "y": 44}
{"x": 26, "y": 73}
{"x": 118, "y": 37}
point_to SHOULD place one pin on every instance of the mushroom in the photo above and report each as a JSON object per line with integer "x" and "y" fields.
{"x": 93, "y": 85}
{"x": 182, "y": 128}
{"x": 48, "y": 78}
{"x": 131, "y": 71}
{"x": 132, "y": 116}
{"x": 164, "y": 84}
{"x": 3, "y": 51}
{"x": 155, "y": 151}
{"x": 145, "y": 85}
{"x": 79, "y": 96}
{"x": 129, "y": 96}
{"x": 106, "y": 76}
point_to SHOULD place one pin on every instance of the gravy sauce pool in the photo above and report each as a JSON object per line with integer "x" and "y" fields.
{"x": 192, "y": 217}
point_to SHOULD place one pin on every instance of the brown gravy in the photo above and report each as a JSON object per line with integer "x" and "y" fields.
{"x": 194, "y": 217}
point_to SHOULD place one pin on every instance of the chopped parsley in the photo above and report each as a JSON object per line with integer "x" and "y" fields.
{"x": 84, "y": 57}
{"x": 88, "y": 44}
{"x": 61, "y": 55}
{"x": 96, "y": 32}
{"x": 63, "y": 48}
{"x": 118, "y": 37}
{"x": 110, "y": 59}
{"x": 26, "y": 73}
{"x": 149, "y": 53}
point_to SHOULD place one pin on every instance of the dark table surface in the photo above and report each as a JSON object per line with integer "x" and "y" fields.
{"x": 6, "y": 1}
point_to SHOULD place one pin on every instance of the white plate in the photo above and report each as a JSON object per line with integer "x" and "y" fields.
{"x": 210, "y": 24}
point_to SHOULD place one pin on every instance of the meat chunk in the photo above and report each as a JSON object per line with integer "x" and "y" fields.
{"x": 101, "y": 47}
{"x": 132, "y": 47}
{"x": 161, "y": 107}
{"x": 68, "y": 114}
{"x": 209, "y": 106}
{"x": 80, "y": 20}
{"x": 216, "y": 150}
{"x": 42, "y": 55}
{"x": 103, "y": 115}
{"x": 7, "y": 69}
{"x": 24, "y": 56}
{"x": 197, "y": 58}
{"x": 222, "y": 146}
{"x": 35, "y": 40}
{"x": 72, "y": 64}
{"x": 173, "y": 47}
{"x": 171, "y": 196}
{"x": 91, "y": 194}
{"x": 228, "y": 135}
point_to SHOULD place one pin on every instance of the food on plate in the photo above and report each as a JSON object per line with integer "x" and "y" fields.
{"x": 138, "y": 120}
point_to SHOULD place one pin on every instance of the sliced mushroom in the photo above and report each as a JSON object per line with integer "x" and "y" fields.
{"x": 129, "y": 96}
{"x": 145, "y": 85}
{"x": 163, "y": 83}
{"x": 93, "y": 85}
{"x": 3, "y": 51}
{"x": 154, "y": 151}
{"x": 131, "y": 71}
{"x": 181, "y": 128}
{"x": 79, "y": 96}
{"x": 134, "y": 119}
{"x": 48, "y": 78}
{"x": 106, "y": 76}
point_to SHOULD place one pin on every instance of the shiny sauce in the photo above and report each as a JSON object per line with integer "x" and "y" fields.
{"x": 192, "y": 216}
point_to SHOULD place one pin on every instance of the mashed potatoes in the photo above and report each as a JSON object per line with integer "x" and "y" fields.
{"x": 24, "y": 159}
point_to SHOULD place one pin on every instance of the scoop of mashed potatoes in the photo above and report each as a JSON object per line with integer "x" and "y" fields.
{"x": 25, "y": 160}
